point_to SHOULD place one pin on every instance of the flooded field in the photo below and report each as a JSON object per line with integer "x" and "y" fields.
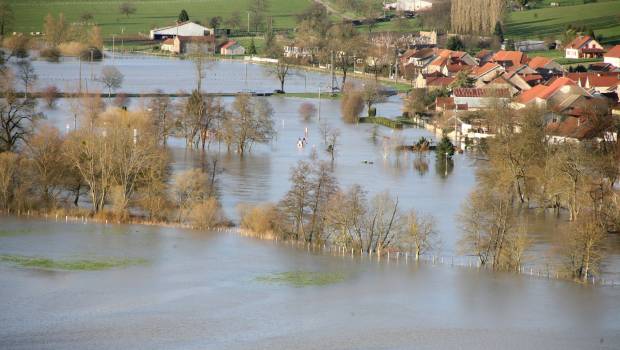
{"x": 200, "y": 290}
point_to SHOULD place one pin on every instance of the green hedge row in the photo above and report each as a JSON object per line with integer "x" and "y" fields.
{"x": 382, "y": 121}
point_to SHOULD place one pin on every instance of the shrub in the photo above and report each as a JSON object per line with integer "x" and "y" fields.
{"x": 85, "y": 54}
{"x": 261, "y": 219}
{"x": 206, "y": 214}
{"x": 50, "y": 95}
{"x": 51, "y": 54}
{"x": 71, "y": 48}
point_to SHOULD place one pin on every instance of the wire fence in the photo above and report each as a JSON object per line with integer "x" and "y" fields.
{"x": 386, "y": 256}
{"x": 406, "y": 257}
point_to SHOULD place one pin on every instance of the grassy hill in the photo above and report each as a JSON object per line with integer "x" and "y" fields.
{"x": 29, "y": 14}
{"x": 603, "y": 17}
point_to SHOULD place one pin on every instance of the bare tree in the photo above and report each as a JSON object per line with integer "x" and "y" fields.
{"x": 26, "y": 74}
{"x": 162, "y": 114}
{"x": 332, "y": 142}
{"x": 111, "y": 78}
{"x": 127, "y": 8}
{"x": 351, "y": 104}
{"x": 307, "y": 111}
{"x": 491, "y": 231}
{"x": 55, "y": 29}
{"x": 249, "y": 122}
{"x": 372, "y": 94}
{"x": 17, "y": 116}
{"x": 45, "y": 152}
{"x": 281, "y": 70}
{"x": 420, "y": 234}
{"x": 9, "y": 170}
{"x": 583, "y": 247}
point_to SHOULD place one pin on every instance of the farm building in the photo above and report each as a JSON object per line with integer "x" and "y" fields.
{"x": 182, "y": 29}
{"x": 232, "y": 48}
{"x": 413, "y": 5}
{"x": 190, "y": 44}
{"x": 530, "y": 45}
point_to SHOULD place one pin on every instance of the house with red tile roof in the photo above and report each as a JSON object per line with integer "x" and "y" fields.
{"x": 596, "y": 81}
{"x": 509, "y": 58}
{"x": 194, "y": 44}
{"x": 613, "y": 56}
{"x": 433, "y": 81}
{"x": 563, "y": 92}
{"x": 584, "y": 46}
{"x": 547, "y": 63}
{"x": 167, "y": 45}
{"x": 486, "y": 72}
{"x": 483, "y": 56}
{"x": 480, "y": 98}
{"x": 232, "y": 48}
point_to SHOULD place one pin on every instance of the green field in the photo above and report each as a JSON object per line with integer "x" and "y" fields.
{"x": 29, "y": 14}
{"x": 602, "y": 17}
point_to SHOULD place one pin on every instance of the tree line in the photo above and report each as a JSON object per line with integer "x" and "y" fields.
{"x": 317, "y": 210}
{"x": 529, "y": 171}
{"x": 114, "y": 163}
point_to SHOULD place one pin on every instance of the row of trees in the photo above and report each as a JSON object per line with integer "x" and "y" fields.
{"x": 527, "y": 171}
{"x": 317, "y": 210}
{"x": 115, "y": 161}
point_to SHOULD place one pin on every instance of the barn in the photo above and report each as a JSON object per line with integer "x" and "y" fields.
{"x": 180, "y": 29}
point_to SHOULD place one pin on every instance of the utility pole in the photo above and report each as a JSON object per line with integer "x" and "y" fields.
{"x": 80, "y": 82}
{"x": 332, "y": 72}
{"x": 319, "y": 103}
{"x": 113, "y": 35}
{"x": 248, "y": 22}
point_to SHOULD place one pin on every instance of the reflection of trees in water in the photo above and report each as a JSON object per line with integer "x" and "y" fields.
{"x": 444, "y": 166}
{"x": 420, "y": 164}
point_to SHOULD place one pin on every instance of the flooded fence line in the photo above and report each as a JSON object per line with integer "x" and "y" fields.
{"x": 386, "y": 255}
{"x": 405, "y": 257}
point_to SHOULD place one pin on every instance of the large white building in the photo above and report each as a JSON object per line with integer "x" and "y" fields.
{"x": 180, "y": 29}
{"x": 413, "y": 5}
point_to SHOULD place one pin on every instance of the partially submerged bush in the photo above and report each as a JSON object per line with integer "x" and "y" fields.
{"x": 51, "y": 54}
{"x": 260, "y": 219}
{"x": 91, "y": 53}
{"x": 50, "y": 95}
{"x": 71, "y": 48}
{"x": 206, "y": 214}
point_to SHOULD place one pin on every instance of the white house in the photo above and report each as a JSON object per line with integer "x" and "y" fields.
{"x": 584, "y": 47}
{"x": 413, "y": 5}
{"x": 613, "y": 56}
{"x": 232, "y": 48}
{"x": 167, "y": 45}
{"x": 180, "y": 29}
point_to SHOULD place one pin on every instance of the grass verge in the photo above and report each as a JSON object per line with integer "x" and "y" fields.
{"x": 68, "y": 265}
{"x": 300, "y": 279}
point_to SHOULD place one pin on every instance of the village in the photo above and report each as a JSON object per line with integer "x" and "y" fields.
{"x": 461, "y": 83}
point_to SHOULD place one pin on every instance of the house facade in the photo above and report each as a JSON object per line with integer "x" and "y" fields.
{"x": 194, "y": 44}
{"x": 232, "y": 48}
{"x": 584, "y": 46}
{"x": 613, "y": 56}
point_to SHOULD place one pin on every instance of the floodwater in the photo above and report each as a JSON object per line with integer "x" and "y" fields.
{"x": 200, "y": 291}
{"x": 149, "y": 73}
